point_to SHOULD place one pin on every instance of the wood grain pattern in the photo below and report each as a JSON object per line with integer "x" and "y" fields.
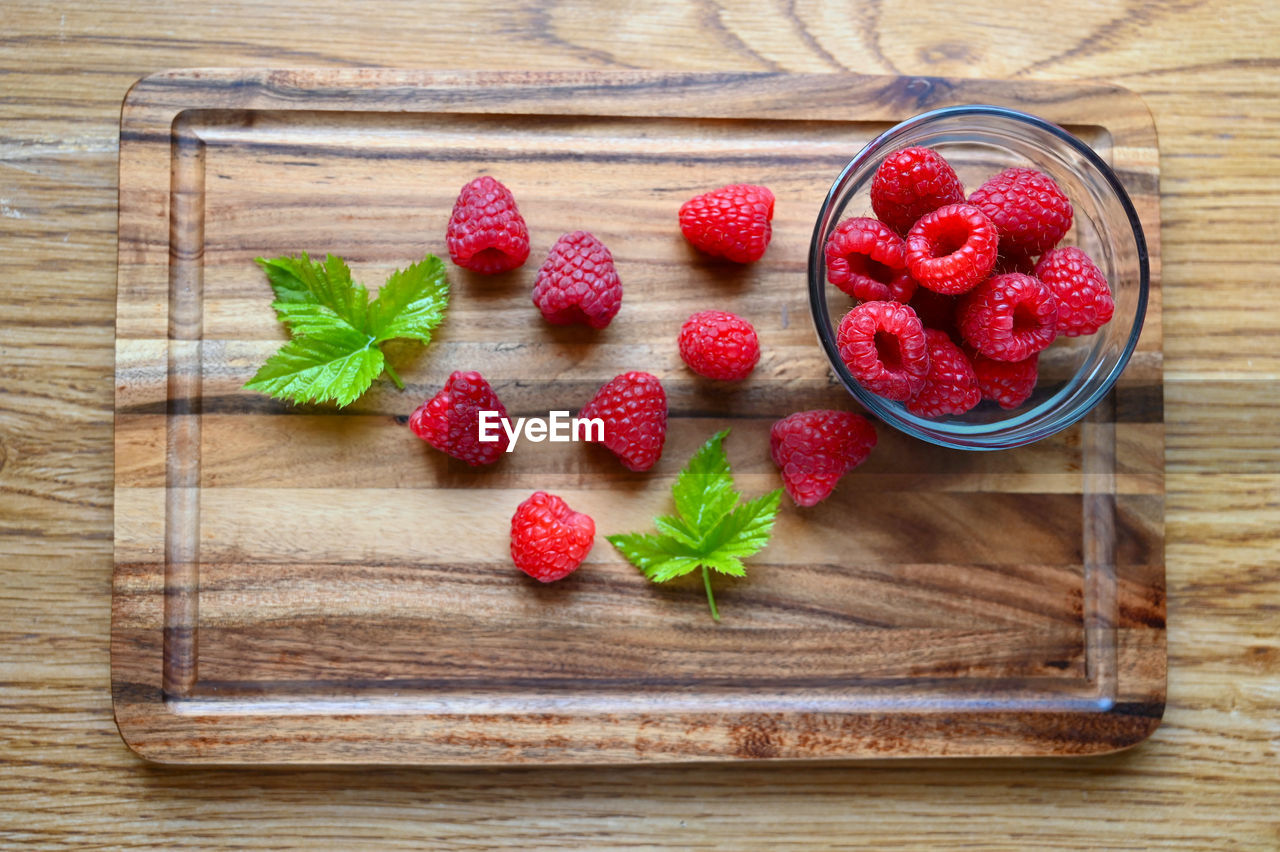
{"x": 389, "y": 626}
{"x": 1207, "y": 779}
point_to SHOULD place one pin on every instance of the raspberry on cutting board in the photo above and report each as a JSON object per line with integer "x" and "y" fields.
{"x": 731, "y": 222}
{"x": 1009, "y": 317}
{"x": 1030, "y": 210}
{"x": 951, "y": 387}
{"x": 1084, "y": 298}
{"x": 450, "y": 420}
{"x": 951, "y": 249}
{"x": 813, "y": 449}
{"x": 578, "y": 282}
{"x": 883, "y": 345}
{"x": 548, "y": 539}
{"x": 719, "y": 345}
{"x": 633, "y": 407}
{"x": 868, "y": 261}
{"x": 486, "y": 232}
{"x": 910, "y": 183}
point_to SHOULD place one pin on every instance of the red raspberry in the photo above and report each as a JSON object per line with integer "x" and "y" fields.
{"x": 867, "y": 260}
{"x": 486, "y": 232}
{"x": 1084, "y": 299}
{"x": 951, "y": 249}
{"x": 548, "y": 539}
{"x": 1030, "y": 210}
{"x": 450, "y": 420}
{"x": 1009, "y": 317}
{"x": 911, "y": 183}
{"x": 1009, "y": 383}
{"x": 731, "y": 222}
{"x": 719, "y": 345}
{"x": 951, "y": 387}
{"x": 813, "y": 449}
{"x": 633, "y": 407}
{"x": 883, "y": 345}
{"x": 936, "y": 311}
{"x": 578, "y": 282}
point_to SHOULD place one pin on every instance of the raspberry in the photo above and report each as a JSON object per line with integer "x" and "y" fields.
{"x": 911, "y": 183}
{"x": 730, "y": 222}
{"x": 1009, "y": 383}
{"x": 578, "y": 282}
{"x": 951, "y": 387}
{"x": 633, "y": 407}
{"x": 883, "y": 345}
{"x": 719, "y": 345}
{"x": 486, "y": 232}
{"x": 951, "y": 249}
{"x": 450, "y": 420}
{"x": 1009, "y": 317}
{"x": 936, "y": 311}
{"x": 867, "y": 260}
{"x": 1084, "y": 299}
{"x": 1030, "y": 210}
{"x": 813, "y": 449}
{"x": 548, "y": 539}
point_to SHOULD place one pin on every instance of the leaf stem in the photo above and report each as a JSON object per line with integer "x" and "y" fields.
{"x": 391, "y": 371}
{"x": 711, "y": 600}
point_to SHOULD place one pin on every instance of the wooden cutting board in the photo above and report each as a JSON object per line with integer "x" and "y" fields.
{"x": 303, "y": 585}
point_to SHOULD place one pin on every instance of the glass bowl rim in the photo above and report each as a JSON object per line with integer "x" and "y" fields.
{"x": 826, "y": 332}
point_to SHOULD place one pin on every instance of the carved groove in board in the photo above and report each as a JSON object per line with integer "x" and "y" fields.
{"x": 182, "y": 451}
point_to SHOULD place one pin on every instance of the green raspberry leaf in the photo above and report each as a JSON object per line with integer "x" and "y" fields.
{"x": 283, "y": 274}
{"x": 338, "y": 367}
{"x": 704, "y": 491}
{"x": 334, "y": 353}
{"x": 730, "y": 565}
{"x": 675, "y": 529}
{"x": 411, "y": 304}
{"x": 712, "y": 531}
{"x": 655, "y": 555}
{"x": 328, "y": 284}
{"x": 669, "y": 569}
{"x": 331, "y": 286}
{"x": 307, "y": 318}
{"x": 746, "y": 530}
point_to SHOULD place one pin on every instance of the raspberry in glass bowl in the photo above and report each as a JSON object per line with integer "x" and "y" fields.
{"x": 999, "y": 156}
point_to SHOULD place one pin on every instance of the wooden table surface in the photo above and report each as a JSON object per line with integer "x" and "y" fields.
{"x": 1210, "y": 777}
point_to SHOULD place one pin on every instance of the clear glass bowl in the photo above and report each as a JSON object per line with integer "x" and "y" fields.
{"x": 1075, "y": 373}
